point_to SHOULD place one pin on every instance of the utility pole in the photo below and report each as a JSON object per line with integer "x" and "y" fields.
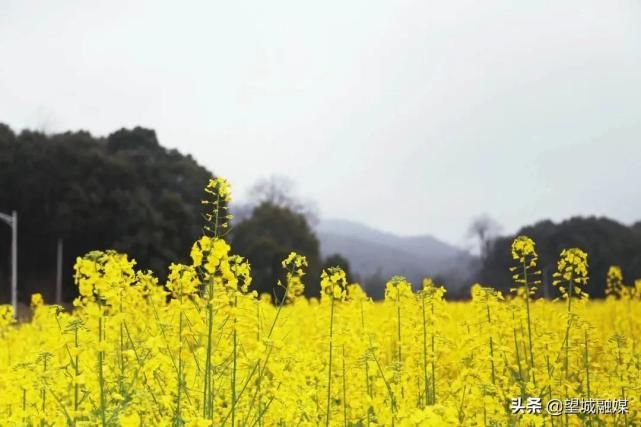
{"x": 12, "y": 221}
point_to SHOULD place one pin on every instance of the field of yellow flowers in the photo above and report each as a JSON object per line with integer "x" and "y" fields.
{"x": 204, "y": 350}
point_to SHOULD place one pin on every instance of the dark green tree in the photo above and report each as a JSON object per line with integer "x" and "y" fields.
{"x": 607, "y": 243}
{"x": 267, "y": 237}
{"x": 374, "y": 285}
{"x": 124, "y": 192}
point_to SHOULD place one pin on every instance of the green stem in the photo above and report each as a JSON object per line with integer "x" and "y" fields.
{"x": 77, "y": 373}
{"x": 619, "y": 362}
{"x": 24, "y": 404}
{"x": 177, "y": 416}
{"x": 529, "y": 321}
{"x": 518, "y": 358}
{"x": 549, "y": 369}
{"x": 207, "y": 388}
{"x": 233, "y": 373}
{"x": 367, "y": 382}
{"x": 567, "y": 330}
{"x": 398, "y": 325}
{"x": 433, "y": 357}
{"x": 587, "y": 372}
{"x": 44, "y": 395}
{"x": 101, "y": 377}
{"x": 425, "y": 378}
{"x": 344, "y": 391}
{"x": 122, "y": 355}
{"x": 489, "y": 321}
{"x": 390, "y": 392}
{"x": 329, "y": 370}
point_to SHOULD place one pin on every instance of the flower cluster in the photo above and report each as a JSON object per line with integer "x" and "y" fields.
{"x": 398, "y": 288}
{"x": 334, "y": 283}
{"x": 525, "y": 272}
{"x": 572, "y": 273}
{"x": 217, "y": 216}
{"x": 294, "y": 265}
{"x": 202, "y": 349}
{"x": 614, "y": 282}
{"x": 103, "y": 276}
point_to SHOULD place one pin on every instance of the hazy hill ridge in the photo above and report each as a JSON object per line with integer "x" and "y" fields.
{"x": 370, "y": 251}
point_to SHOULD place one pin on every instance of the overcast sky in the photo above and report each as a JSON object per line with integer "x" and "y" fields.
{"x": 412, "y": 117}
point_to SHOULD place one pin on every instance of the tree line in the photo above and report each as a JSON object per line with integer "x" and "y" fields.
{"x": 126, "y": 192}
{"x": 606, "y": 241}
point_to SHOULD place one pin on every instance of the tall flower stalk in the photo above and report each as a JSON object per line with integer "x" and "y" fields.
{"x": 429, "y": 296}
{"x": 217, "y": 217}
{"x": 570, "y": 277}
{"x": 333, "y": 288}
{"x": 526, "y": 276}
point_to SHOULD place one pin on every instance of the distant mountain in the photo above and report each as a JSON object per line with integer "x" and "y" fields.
{"x": 377, "y": 255}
